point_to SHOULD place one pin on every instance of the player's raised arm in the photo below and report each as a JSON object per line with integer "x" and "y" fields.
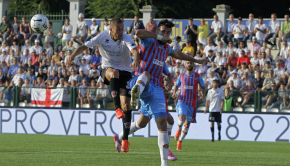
{"x": 182, "y": 56}
{"x": 143, "y": 34}
{"x": 136, "y": 54}
{"x": 79, "y": 50}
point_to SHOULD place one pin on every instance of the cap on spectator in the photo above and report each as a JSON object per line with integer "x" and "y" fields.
{"x": 178, "y": 61}
{"x": 210, "y": 50}
{"x": 221, "y": 63}
{"x": 255, "y": 52}
{"x": 220, "y": 51}
{"x": 4, "y": 50}
{"x": 267, "y": 62}
{"x": 83, "y": 58}
{"x": 27, "y": 41}
{"x": 32, "y": 50}
{"x": 94, "y": 71}
{"x": 244, "y": 63}
{"x": 215, "y": 79}
{"x": 59, "y": 34}
{"x": 94, "y": 19}
{"x": 254, "y": 37}
{"x": 240, "y": 18}
{"x": 62, "y": 61}
{"x": 81, "y": 69}
{"x": 46, "y": 41}
{"x": 94, "y": 64}
{"x": 186, "y": 52}
{"x": 177, "y": 71}
{"x": 36, "y": 41}
{"x": 198, "y": 52}
{"x": 234, "y": 72}
{"x": 260, "y": 17}
{"x": 81, "y": 15}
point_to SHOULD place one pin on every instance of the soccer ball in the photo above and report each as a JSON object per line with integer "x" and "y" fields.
{"x": 39, "y": 23}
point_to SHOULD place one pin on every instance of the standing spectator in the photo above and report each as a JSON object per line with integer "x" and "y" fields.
{"x": 37, "y": 47}
{"x": 243, "y": 58}
{"x": 217, "y": 29}
{"x": 202, "y": 32}
{"x": 106, "y": 24}
{"x": 151, "y": 26}
{"x": 97, "y": 58}
{"x": 210, "y": 46}
{"x": 260, "y": 31}
{"x": 81, "y": 32}
{"x": 239, "y": 31}
{"x": 94, "y": 29}
{"x": 135, "y": 25}
{"x": 253, "y": 47}
{"x": 176, "y": 46}
{"x": 285, "y": 31}
{"x": 189, "y": 48}
{"x": 231, "y": 48}
{"x": 17, "y": 76}
{"x": 67, "y": 32}
{"x": 273, "y": 28}
{"x": 250, "y": 28}
{"x": 191, "y": 32}
{"x": 229, "y": 31}
{"x": 49, "y": 34}
{"x": 15, "y": 30}
{"x": 5, "y": 28}
{"x": 25, "y": 29}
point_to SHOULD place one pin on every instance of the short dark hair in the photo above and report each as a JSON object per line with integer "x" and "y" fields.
{"x": 190, "y": 18}
{"x": 67, "y": 18}
{"x": 105, "y": 19}
{"x": 178, "y": 38}
{"x": 116, "y": 21}
{"x": 166, "y": 23}
{"x": 50, "y": 23}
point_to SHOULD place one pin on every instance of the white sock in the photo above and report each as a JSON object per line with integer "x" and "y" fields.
{"x": 134, "y": 127}
{"x": 142, "y": 81}
{"x": 169, "y": 128}
{"x": 180, "y": 123}
{"x": 183, "y": 133}
{"x": 163, "y": 140}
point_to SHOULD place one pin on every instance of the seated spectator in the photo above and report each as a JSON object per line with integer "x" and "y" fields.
{"x": 210, "y": 57}
{"x": 5, "y": 28}
{"x": 52, "y": 67}
{"x": 17, "y": 76}
{"x": 169, "y": 66}
{"x": 34, "y": 59}
{"x": 274, "y": 28}
{"x": 217, "y": 29}
{"x": 25, "y": 58}
{"x": 86, "y": 67}
{"x": 87, "y": 56}
{"x": 15, "y": 48}
{"x": 231, "y": 48}
{"x": 201, "y": 69}
{"x": 254, "y": 62}
{"x": 25, "y": 30}
{"x": 188, "y": 48}
{"x": 62, "y": 57}
{"x": 13, "y": 69}
{"x": 40, "y": 82}
{"x": 220, "y": 48}
{"x": 93, "y": 30}
{"x": 97, "y": 58}
{"x": 266, "y": 50}
{"x": 61, "y": 83}
{"x": 248, "y": 93}
{"x": 8, "y": 92}
{"x": 230, "y": 70}
{"x": 244, "y": 69}
{"x": 254, "y": 47}
{"x": 228, "y": 101}
{"x": 209, "y": 47}
{"x": 59, "y": 41}
{"x": 220, "y": 58}
{"x": 243, "y": 58}
{"x": 210, "y": 80}
{"x": 49, "y": 34}
{"x": 283, "y": 54}
{"x": 178, "y": 66}
{"x": 56, "y": 57}
{"x": 242, "y": 48}
{"x": 54, "y": 83}
{"x": 106, "y": 24}
{"x": 69, "y": 47}
{"x": 266, "y": 70}
{"x": 5, "y": 46}
{"x": 31, "y": 77}
{"x": 26, "y": 46}
{"x": 92, "y": 94}
{"x": 258, "y": 81}
{"x": 264, "y": 60}
{"x": 82, "y": 28}
{"x": 244, "y": 81}
{"x": 239, "y": 31}
{"x": 83, "y": 92}
{"x": 15, "y": 29}
{"x": 95, "y": 76}
{"x": 11, "y": 57}
{"x": 67, "y": 32}
{"x": 30, "y": 67}
{"x": 197, "y": 57}
{"x": 260, "y": 31}
{"x": 4, "y": 57}
{"x": 53, "y": 75}
{"x": 82, "y": 76}
{"x": 73, "y": 76}
{"x": 69, "y": 58}
{"x": 221, "y": 72}
{"x": 235, "y": 79}
{"x": 278, "y": 71}
{"x": 41, "y": 74}
{"x": 284, "y": 79}
{"x": 232, "y": 60}
{"x": 3, "y": 76}
{"x": 103, "y": 94}
{"x": 25, "y": 93}
{"x": 176, "y": 46}
{"x": 283, "y": 98}
{"x": 177, "y": 73}
{"x": 271, "y": 97}
{"x": 268, "y": 81}
{"x": 48, "y": 50}
{"x": 38, "y": 49}
{"x": 213, "y": 67}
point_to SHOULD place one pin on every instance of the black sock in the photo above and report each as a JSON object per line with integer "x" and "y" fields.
{"x": 212, "y": 130}
{"x": 219, "y": 128}
{"x": 127, "y": 124}
{"x": 115, "y": 91}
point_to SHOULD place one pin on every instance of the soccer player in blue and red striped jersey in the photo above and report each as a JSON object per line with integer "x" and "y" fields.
{"x": 187, "y": 102}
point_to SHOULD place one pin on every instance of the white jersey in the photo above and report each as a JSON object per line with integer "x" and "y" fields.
{"x": 115, "y": 54}
{"x": 215, "y": 98}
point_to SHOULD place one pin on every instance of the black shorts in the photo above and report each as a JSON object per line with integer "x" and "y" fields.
{"x": 215, "y": 117}
{"x": 124, "y": 78}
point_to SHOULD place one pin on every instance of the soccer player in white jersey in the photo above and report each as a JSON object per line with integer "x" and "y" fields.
{"x": 215, "y": 102}
{"x": 187, "y": 102}
{"x": 114, "y": 46}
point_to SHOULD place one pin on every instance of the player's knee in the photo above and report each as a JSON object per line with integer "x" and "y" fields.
{"x": 170, "y": 120}
{"x": 114, "y": 73}
{"x": 166, "y": 146}
{"x": 126, "y": 106}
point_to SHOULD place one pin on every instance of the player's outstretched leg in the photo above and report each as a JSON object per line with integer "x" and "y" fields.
{"x": 163, "y": 139}
{"x": 212, "y": 131}
{"x": 170, "y": 123}
{"x": 180, "y": 124}
{"x": 125, "y": 101}
{"x": 139, "y": 87}
{"x": 183, "y": 134}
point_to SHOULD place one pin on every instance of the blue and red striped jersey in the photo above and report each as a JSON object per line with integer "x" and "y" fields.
{"x": 152, "y": 59}
{"x": 189, "y": 88}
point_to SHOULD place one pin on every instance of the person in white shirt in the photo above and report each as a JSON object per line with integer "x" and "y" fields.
{"x": 170, "y": 68}
{"x": 220, "y": 58}
{"x": 242, "y": 47}
{"x": 250, "y": 28}
{"x": 217, "y": 29}
{"x": 278, "y": 71}
{"x": 26, "y": 46}
{"x": 273, "y": 28}
{"x": 284, "y": 51}
{"x": 235, "y": 80}
{"x": 37, "y": 47}
{"x": 106, "y": 24}
{"x": 87, "y": 56}
{"x": 73, "y": 76}
{"x": 229, "y": 31}
{"x": 260, "y": 31}
{"x": 82, "y": 29}
{"x": 254, "y": 62}
{"x": 26, "y": 90}
{"x": 221, "y": 48}
{"x": 16, "y": 77}
{"x": 67, "y": 32}
{"x": 176, "y": 46}
{"x": 285, "y": 31}
{"x": 209, "y": 46}
{"x": 25, "y": 57}
{"x": 239, "y": 31}
{"x": 93, "y": 30}
{"x": 178, "y": 66}
{"x": 210, "y": 79}
{"x": 231, "y": 48}
{"x": 86, "y": 67}
{"x": 215, "y": 104}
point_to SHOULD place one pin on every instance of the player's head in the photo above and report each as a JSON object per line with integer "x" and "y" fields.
{"x": 117, "y": 28}
{"x": 165, "y": 28}
{"x": 227, "y": 91}
{"x": 215, "y": 83}
{"x": 189, "y": 65}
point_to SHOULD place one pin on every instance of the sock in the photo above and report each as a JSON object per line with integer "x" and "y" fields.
{"x": 134, "y": 127}
{"x": 219, "y": 128}
{"x": 212, "y": 131}
{"x": 180, "y": 123}
{"x": 169, "y": 128}
{"x": 183, "y": 133}
{"x": 141, "y": 81}
{"x": 163, "y": 146}
{"x": 126, "y": 124}
{"x": 115, "y": 89}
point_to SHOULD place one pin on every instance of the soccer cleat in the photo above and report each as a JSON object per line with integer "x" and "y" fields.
{"x": 178, "y": 145}
{"x": 125, "y": 146}
{"x": 135, "y": 94}
{"x": 219, "y": 136}
{"x": 117, "y": 142}
{"x": 177, "y": 134}
{"x": 171, "y": 156}
{"x": 119, "y": 113}
{"x": 212, "y": 139}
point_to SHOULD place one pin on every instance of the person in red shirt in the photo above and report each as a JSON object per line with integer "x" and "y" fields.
{"x": 242, "y": 59}
{"x": 34, "y": 59}
{"x": 233, "y": 60}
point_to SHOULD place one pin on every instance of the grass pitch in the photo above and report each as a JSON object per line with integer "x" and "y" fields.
{"x": 25, "y": 149}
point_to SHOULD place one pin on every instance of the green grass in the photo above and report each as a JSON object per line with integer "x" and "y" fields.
{"x": 25, "y": 149}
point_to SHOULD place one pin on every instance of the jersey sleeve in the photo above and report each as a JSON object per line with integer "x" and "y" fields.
{"x": 165, "y": 69}
{"x": 146, "y": 42}
{"x": 129, "y": 42}
{"x": 94, "y": 41}
{"x": 200, "y": 81}
{"x": 178, "y": 81}
{"x": 208, "y": 95}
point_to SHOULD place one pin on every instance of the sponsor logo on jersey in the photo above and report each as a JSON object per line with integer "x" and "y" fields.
{"x": 196, "y": 78}
{"x": 188, "y": 87}
{"x": 157, "y": 62}
{"x": 161, "y": 105}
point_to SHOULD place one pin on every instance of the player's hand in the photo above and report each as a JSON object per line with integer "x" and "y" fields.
{"x": 136, "y": 64}
{"x": 205, "y": 111}
{"x": 200, "y": 61}
{"x": 173, "y": 95}
{"x": 202, "y": 96}
{"x": 166, "y": 40}
{"x": 221, "y": 111}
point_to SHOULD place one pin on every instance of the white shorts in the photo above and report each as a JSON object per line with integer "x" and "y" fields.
{"x": 203, "y": 41}
{"x": 80, "y": 35}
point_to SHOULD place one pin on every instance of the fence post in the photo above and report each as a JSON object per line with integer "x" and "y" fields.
{"x": 259, "y": 101}
{"x": 71, "y": 97}
{"x": 74, "y": 97}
